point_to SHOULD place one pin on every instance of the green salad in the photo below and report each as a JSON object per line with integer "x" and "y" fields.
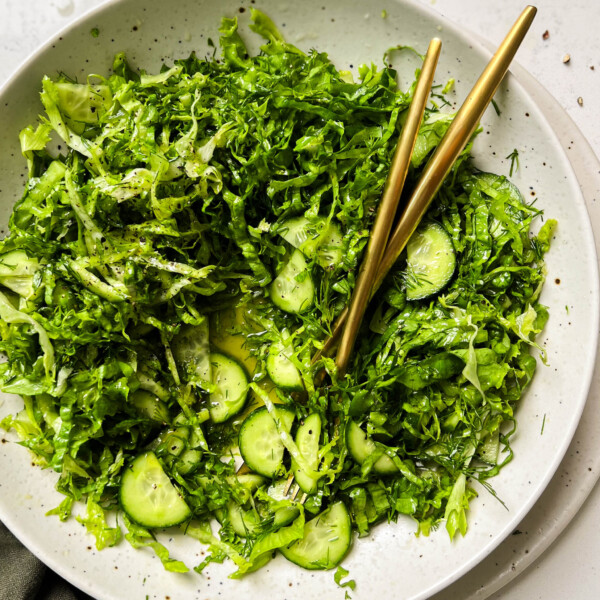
{"x": 177, "y": 261}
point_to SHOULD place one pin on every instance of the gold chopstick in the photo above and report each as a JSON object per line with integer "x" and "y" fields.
{"x": 386, "y": 212}
{"x": 464, "y": 124}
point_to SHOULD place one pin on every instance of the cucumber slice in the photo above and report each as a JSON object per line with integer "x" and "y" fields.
{"x": 285, "y": 515}
{"x": 282, "y": 370}
{"x": 260, "y": 444}
{"x": 430, "y": 261}
{"x": 326, "y": 540}
{"x": 293, "y": 290}
{"x": 248, "y": 481}
{"x": 148, "y": 496}
{"x": 490, "y": 448}
{"x": 176, "y": 441}
{"x": 360, "y": 447}
{"x": 189, "y": 461}
{"x": 246, "y": 523}
{"x": 307, "y": 440}
{"x": 495, "y": 186}
{"x": 315, "y": 237}
{"x": 191, "y": 350}
{"x": 231, "y": 388}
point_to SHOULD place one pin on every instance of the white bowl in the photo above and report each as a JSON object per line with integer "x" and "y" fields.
{"x": 391, "y": 562}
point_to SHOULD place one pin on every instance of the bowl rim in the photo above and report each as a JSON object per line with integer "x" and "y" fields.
{"x": 474, "y": 44}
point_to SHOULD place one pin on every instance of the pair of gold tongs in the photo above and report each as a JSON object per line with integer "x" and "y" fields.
{"x": 382, "y": 250}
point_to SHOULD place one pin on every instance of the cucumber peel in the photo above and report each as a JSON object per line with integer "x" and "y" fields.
{"x": 148, "y": 496}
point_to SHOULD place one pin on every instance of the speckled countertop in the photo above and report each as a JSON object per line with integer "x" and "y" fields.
{"x": 562, "y": 52}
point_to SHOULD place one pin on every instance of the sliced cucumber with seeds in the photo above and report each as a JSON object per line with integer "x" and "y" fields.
{"x": 282, "y": 371}
{"x": 326, "y": 540}
{"x": 315, "y": 237}
{"x": 231, "y": 388}
{"x": 307, "y": 440}
{"x": 430, "y": 261}
{"x": 361, "y": 447}
{"x": 148, "y": 496}
{"x": 260, "y": 444}
{"x": 293, "y": 290}
{"x": 248, "y": 523}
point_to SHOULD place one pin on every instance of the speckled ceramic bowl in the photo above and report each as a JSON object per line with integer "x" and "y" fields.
{"x": 391, "y": 562}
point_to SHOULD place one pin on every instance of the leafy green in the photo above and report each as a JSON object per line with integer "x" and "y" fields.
{"x": 340, "y": 574}
{"x": 156, "y": 235}
{"x": 95, "y": 522}
{"x": 139, "y": 537}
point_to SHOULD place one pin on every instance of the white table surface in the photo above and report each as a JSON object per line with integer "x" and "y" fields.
{"x": 569, "y": 569}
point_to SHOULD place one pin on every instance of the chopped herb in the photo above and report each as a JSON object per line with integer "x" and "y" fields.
{"x": 449, "y": 86}
{"x": 514, "y": 162}
{"x": 340, "y": 574}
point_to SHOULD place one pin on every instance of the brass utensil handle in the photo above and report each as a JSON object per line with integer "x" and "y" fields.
{"x": 386, "y": 212}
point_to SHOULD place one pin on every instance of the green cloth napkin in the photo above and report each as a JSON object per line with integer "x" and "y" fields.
{"x": 25, "y": 577}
